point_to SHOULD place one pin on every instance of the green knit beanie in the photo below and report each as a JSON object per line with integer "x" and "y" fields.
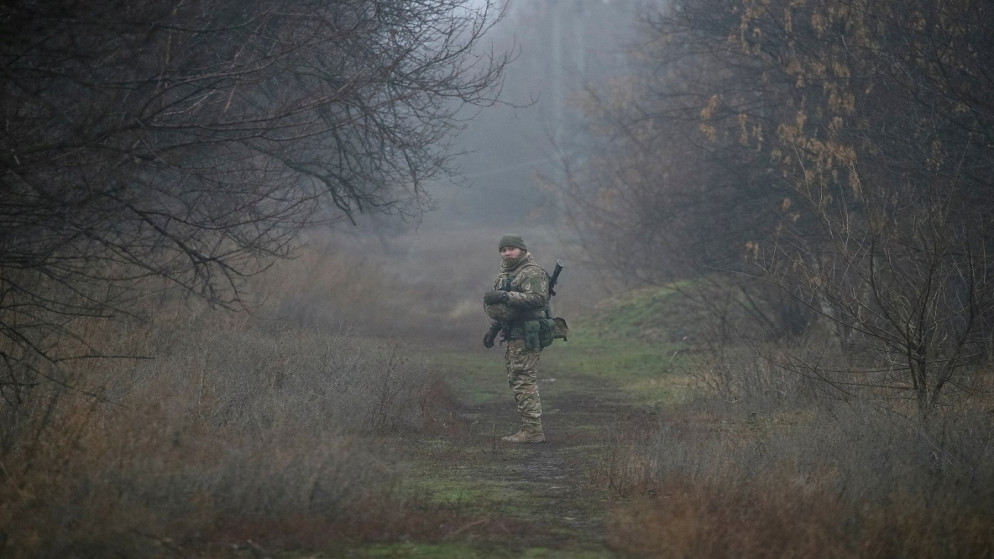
{"x": 512, "y": 241}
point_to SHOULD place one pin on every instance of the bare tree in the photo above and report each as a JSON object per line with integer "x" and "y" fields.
{"x": 886, "y": 231}
{"x": 191, "y": 141}
{"x": 841, "y": 148}
{"x": 666, "y": 188}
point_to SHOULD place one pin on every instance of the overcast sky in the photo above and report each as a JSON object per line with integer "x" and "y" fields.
{"x": 562, "y": 44}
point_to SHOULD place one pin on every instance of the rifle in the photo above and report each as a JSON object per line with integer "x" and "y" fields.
{"x": 554, "y": 278}
{"x": 561, "y": 328}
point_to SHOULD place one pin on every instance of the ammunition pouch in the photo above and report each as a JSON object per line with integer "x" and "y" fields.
{"x": 540, "y": 333}
{"x": 533, "y": 334}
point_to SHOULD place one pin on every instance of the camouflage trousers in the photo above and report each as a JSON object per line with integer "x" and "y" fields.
{"x": 522, "y": 368}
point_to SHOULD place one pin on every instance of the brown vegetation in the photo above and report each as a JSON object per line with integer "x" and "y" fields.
{"x": 231, "y": 434}
{"x": 802, "y": 474}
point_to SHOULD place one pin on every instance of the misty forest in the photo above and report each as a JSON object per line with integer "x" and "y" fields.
{"x": 244, "y": 247}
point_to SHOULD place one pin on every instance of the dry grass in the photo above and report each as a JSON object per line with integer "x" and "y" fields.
{"x": 743, "y": 473}
{"x": 274, "y": 425}
{"x": 231, "y": 428}
{"x": 684, "y": 518}
{"x": 769, "y": 518}
{"x": 416, "y": 285}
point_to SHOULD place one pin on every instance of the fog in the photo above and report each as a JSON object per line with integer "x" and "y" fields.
{"x": 560, "y": 47}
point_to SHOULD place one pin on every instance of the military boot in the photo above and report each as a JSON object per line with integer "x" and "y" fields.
{"x": 528, "y": 434}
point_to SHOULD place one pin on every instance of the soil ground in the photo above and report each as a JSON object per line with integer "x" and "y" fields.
{"x": 513, "y": 500}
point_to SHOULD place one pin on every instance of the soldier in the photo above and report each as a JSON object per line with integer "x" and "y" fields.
{"x": 518, "y": 300}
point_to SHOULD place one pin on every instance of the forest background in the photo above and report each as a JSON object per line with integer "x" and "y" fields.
{"x": 237, "y": 235}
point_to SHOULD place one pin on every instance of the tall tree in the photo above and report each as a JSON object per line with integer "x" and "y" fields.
{"x": 889, "y": 159}
{"x": 666, "y": 189}
{"x": 842, "y": 151}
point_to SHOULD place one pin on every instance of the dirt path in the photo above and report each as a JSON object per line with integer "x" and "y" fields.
{"x": 508, "y": 500}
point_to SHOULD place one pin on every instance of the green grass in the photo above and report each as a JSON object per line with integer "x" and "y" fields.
{"x": 649, "y": 313}
{"x": 627, "y": 341}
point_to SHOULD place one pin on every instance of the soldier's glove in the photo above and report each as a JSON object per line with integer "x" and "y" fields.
{"x": 488, "y": 338}
{"x": 493, "y": 297}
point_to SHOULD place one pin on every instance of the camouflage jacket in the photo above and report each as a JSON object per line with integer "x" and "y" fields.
{"x": 527, "y": 285}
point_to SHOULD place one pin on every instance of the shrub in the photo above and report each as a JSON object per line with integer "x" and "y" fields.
{"x": 848, "y": 479}
{"x": 229, "y": 428}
